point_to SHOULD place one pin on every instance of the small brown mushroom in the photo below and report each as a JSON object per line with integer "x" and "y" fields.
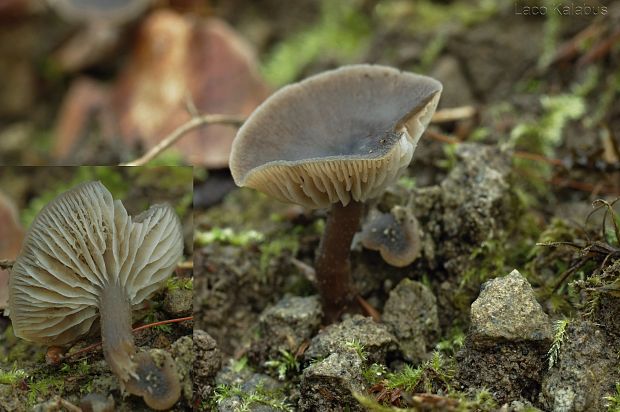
{"x": 395, "y": 235}
{"x": 335, "y": 140}
{"x": 85, "y": 258}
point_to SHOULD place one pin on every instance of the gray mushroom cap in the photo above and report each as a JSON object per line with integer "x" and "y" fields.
{"x": 79, "y": 244}
{"x": 338, "y": 136}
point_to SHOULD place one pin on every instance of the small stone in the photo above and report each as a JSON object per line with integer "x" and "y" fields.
{"x": 179, "y": 302}
{"x": 183, "y": 353}
{"x": 411, "y": 315}
{"x": 509, "y": 337}
{"x": 207, "y": 363}
{"x": 586, "y": 371}
{"x": 329, "y": 385}
{"x": 374, "y": 337}
{"x": 95, "y": 402}
{"x": 507, "y": 311}
{"x": 286, "y": 325}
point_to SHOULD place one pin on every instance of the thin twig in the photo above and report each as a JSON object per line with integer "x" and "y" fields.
{"x": 453, "y": 113}
{"x": 150, "y": 325}
{"x": 166, "y": 142}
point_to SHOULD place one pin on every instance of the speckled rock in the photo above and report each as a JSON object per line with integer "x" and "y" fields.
{"x": 183, "y": 353}
{"x": 329, "y": 385}
{"x": 475, "y": 199}
{"x": 506, "y": 348}
{"x": 510, "y": 371}
{"x": 375, "y": 338}
{"x": 179, "y": 302}
{"x": 507, "y": 310}
{"x": 411, "y": 315}
{"x": 207, "y": 362}
{"x": 287, "y": 324}
{"x": 585, "y": 372}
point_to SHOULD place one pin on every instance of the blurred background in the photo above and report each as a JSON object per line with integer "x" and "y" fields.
{"x": 100, "y": 82}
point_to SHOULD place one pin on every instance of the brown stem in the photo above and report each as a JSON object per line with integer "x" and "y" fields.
{"x": 118, "y": 346}
{"x": 333, "y": 264}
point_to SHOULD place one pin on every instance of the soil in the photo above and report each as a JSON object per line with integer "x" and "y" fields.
{"x": 482, "y": 206}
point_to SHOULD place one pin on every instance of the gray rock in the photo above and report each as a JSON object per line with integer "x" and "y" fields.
{"x": 509, "y": 337}
{"x": 329, "y": 385}
{"x": 375, "y": 338}
{"x": 507, "y": 310}
{"x": 179, "y": 302}
{"x": 476, "y": 200}
{"x": 183, "y": 353}
{"x": 289, "y": 323}
{"x": 586, "y": 371}
{"x": 207, "y": 363}
{"x": 510, "y": 371}
{"x": 411, "y": 315}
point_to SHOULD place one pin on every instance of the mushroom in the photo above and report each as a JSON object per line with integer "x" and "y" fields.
{"x": 335, "y": 140}
{"x": 395, "y": 235}
{"x": 84, "y": 258}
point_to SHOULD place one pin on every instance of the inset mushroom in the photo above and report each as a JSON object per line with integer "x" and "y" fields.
{"x": 84, "y": 258}
{"x": 395, "y": 235}
{"x": 335, "y": 139}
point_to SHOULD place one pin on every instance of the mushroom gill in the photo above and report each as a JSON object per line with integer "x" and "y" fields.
{"x": 84, "y": 257}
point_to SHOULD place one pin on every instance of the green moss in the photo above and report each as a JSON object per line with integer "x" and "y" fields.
{"x": 285, "y": 364}
{"x": 246, "y": 400}
{"x": 359, "y": 348}
{"x": 558, "y": 338}
{"x": 613, "y": 401}
{"x": 340, "y": 33}
{"x": 237, "y": 365}
{"x": 406, "y": 182}
{"x": 12, "y": 377}
{"x": 433, "y": 376}
{"x": 545, "y": 134}
{"x": 49, "y": 381}
{"x": 228, "y": 236}
{"x": 426, "y": 15}
{"x": 152, "y": 318}
{"x": 452, "y": 342}
{"x": 175, "y": 283}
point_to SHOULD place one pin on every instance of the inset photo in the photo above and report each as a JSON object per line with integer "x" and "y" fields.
{"x": 96, "y": 284}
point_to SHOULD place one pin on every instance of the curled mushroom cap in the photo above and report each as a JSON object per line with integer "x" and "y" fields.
{"x": 84, "y": 257}
{"x": 395, "y": 235}
{"x": 338, "y": 136}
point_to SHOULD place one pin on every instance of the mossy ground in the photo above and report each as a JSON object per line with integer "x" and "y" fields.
{"x": 551, "y": 111}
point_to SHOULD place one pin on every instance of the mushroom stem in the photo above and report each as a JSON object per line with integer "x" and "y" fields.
{"x": 333, "y": 264}
{"x": 118, "y": 346}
